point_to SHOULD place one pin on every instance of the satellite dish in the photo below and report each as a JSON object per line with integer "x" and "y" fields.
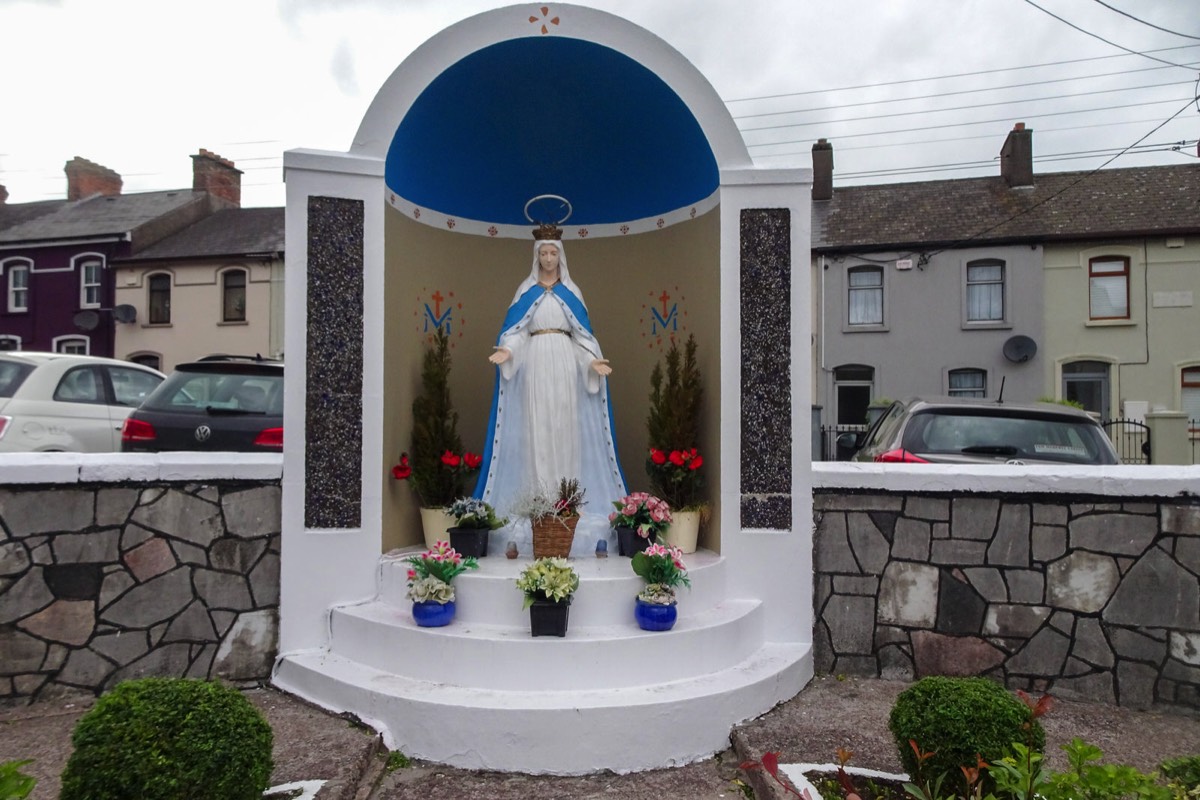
{"x": 1019, "y": 349}
{"x": 125, "y": 313}
{"x": 86, "y": 320}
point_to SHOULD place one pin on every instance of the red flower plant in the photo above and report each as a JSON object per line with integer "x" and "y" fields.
{"x": 451, "y": 459}
{"x": 402, "y": 470}
{"x": 658, "y": 456}
{"x": 472, "y": 460}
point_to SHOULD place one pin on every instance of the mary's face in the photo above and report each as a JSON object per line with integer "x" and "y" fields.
{"x": 548, "y": 259}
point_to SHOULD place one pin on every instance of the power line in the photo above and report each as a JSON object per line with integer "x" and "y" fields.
{"x": 982, "y": 121}
{"x": 1144, "y": 22}
{"x": 1101, "y": 38}
{"x": 950, "y": 94}
{"x": 961, "y": 75}
{"x": 963, "y": 108}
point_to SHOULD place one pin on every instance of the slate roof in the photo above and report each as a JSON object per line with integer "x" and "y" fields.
{"x": 229, "y": 232}
{"x": 92, "y": 216}
{"x": 1161, "y": 201}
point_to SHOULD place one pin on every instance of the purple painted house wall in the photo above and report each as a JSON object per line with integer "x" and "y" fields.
{"x": 55, "y": 241}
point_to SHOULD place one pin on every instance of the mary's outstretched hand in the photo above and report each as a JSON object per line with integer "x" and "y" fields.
{"x": 501, "y": 355}
{"x": 600, "y": 365}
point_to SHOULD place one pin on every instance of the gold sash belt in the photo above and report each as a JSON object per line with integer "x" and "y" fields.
{"x": 544, "y": 331}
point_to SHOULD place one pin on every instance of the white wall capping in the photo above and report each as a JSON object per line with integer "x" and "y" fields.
{"x": 796, "y": 179}
{"x": 332, "y": 161}
{"x": 1116, "y": 481}
{"x": 28, "y": 468}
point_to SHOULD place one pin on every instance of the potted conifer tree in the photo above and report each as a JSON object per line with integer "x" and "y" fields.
{"x": 436, "y": 463}
{"x": 673, "y": 424}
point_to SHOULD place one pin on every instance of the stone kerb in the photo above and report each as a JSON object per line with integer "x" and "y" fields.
{"x": 1082, "y": 596}
{"x": 100, "y": 582}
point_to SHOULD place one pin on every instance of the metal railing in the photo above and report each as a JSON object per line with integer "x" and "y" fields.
{"x": 829, "y": 434}
{"x": 1131, "y": 438}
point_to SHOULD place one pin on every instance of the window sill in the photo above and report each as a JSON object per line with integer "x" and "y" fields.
{"x": 240, "y": 322}
{"x": 864, "y": 329}
{"x": 987, "y": 326}
{"x": 1109, "y": 323}
{"x": 157, "y": 325}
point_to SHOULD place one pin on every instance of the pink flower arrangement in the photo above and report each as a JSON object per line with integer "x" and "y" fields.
{"x": 649, "y": 514}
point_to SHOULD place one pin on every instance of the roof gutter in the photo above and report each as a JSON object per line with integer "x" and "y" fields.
{"x": 20, "y": 245}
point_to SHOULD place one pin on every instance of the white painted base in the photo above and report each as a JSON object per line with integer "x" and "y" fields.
{"x": 481, "y": 693}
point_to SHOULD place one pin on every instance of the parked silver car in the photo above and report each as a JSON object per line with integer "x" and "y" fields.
{"x": 59, "y": 402}
{"x": 959, "y": 430}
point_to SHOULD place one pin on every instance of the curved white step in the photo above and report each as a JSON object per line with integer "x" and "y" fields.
{"x": 607, "y": 586}
{"x": 570, "y": 732}
{"x": 468, "y": 654}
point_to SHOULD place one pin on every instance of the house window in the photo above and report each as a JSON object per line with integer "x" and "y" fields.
{"x": 18, "y": 287}
{"x": 1086, "y": 383}
{"x": 1190, "y": 397}
{"x": 76, "y": 345}
{"x": 853, "y": 386}
{"x": 89, "y": 284}
{"x": 151, "y": 360}
{"x": 10, "y": 343}
{"x": 985, "y": 291}
{"x": 233, "y": 295}
{"x": 865, "y": 301}
{"x": 967, "y": 383}
{"x": 160, "y": 299}
{"x": 1108, "y": 288}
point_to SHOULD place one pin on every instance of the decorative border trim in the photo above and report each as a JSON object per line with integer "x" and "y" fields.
{"x": 474, "y": 227}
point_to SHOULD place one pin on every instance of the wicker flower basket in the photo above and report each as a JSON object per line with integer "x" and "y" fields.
{"x": 552, "y": 536}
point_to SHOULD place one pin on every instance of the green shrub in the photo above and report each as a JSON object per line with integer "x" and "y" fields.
{"x": 1184, "y": 770}
{"x": 14, "y": 784}
{"x": 169, "y": 738}
{"x": 955, "y": 719}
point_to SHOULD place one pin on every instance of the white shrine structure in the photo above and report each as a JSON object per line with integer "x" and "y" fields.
{"x": 676, "y": 231}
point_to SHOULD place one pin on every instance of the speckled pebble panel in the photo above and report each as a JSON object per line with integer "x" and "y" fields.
{"x": 766, "y": 262}
{"x": 333, "y": 396}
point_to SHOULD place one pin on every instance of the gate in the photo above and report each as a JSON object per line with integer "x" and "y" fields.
{"x": 1131, "y": 438}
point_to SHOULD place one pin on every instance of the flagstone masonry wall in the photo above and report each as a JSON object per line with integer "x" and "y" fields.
{"x": 1095, "y": 598}
{"x": 108, "y": 581}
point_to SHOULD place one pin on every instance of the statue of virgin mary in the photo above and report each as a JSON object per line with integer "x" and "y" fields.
{"x": 550, "y": 416}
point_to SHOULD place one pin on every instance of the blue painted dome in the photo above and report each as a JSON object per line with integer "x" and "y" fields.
{"x": 541, "y": 115}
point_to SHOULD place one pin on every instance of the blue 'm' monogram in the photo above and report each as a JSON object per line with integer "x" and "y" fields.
{"x": 669, "y": 322}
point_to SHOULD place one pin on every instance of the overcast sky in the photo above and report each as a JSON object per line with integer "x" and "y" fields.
{"x": 905, "y": 89}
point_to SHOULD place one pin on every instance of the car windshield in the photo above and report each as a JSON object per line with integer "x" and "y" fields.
{"x": 1038, "y": 438}
{"x": 12, "y": 375}
{"x": 205, "y": 392}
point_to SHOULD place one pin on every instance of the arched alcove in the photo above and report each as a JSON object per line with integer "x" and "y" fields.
{"x": 572, "y": 116}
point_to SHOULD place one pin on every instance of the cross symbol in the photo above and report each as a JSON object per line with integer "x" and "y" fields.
{"x": 664, "y": 297}
{"x": 437, "y": 299}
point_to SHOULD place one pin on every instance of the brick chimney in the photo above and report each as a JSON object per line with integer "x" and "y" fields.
{"x": 217, "y": 175}
{"x": 822, "y": 161}
{"x": 1016, "y": 157}
{"x": 86, "y": 178}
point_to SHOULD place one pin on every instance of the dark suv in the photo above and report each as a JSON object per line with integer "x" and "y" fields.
{"x": 219, "y": 403}
{"x": 957, "y": 430}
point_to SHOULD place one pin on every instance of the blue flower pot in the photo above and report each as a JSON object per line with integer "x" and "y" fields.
{"x": 433, "y": 615}
{"x": 653, "y": 617}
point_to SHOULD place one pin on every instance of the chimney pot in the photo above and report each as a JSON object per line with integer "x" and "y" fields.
{"x": 822, "y": 161}
{"x": 86, "y": 178}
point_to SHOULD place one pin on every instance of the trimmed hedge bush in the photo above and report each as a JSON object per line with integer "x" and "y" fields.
{"x": 169, "y": 739}
{"x": 957, "y": 718}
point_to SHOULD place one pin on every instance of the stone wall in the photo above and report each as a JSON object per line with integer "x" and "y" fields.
{"x": 1092, "y": 597}
{"x": 105, "y": 581}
